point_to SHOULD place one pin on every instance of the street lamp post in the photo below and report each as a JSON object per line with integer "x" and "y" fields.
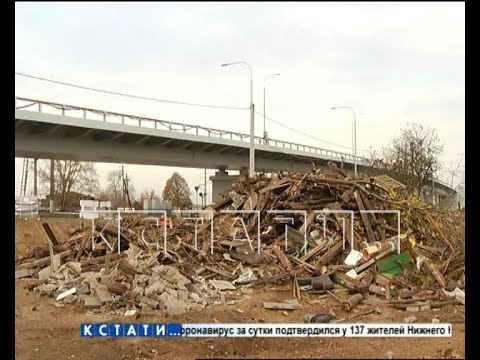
{"x": 354, "y": 137}
{"x": 251, "y": 170}
{"x": 264, "y": 131}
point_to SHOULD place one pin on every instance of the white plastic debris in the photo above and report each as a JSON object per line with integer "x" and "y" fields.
{"x": 353, "y": 258}
{"x": 66, "y": 293}
{"x": 130, "y": 312}
{"x": 420, "y": 259}
{"x": 352, "y": 273}
{"x": 458, "y": 294}
{"x": 245, "y": 277}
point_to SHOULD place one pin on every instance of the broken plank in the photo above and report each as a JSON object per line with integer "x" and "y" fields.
{"x": 220, "y": 272}
{"x": 331, "y": 253}
{"x": 283, "y": 306}
{"x": 308, "y": 267}
{"x": 50, "y": 233}
{"x": 364, "y": 216}
{"x": 280, "y": 184}
{"x": 282, "y": 258}
{"x": 42, "y": 262}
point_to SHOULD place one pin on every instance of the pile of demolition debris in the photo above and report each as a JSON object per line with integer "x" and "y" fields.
{"x": 266, "y": 229}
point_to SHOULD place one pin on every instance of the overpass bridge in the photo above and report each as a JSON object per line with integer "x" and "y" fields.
{"x": 64, "y": 132}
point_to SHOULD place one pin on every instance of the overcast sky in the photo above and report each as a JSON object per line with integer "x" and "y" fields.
{"x": 395, "y": 63}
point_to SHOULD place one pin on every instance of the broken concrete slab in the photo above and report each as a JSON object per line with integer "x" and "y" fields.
{"x": 152, "y": 303}
{"x": 246, "y": 291}
{"x": 410, "y": 319}
{"x": 56, "y": 262}
{"x": 83, "y": 289}
{"x": 173, "y": 276}
{"x": 70, "y": 299}
{"x": 138, "y": 290}
{"x": 222, "y": 285}
{"x": 92, "y": 302}
{"x": 156, "y": 288}
{"x": 75, "y": 266}
{"x": 45, "y": 273}
{"x": 22, "y": 273}
{"x": 183, "y": 295}
{"x": 103, "y": 294}
{"x": 46, "y": 289}
{"x": 172, "y": 305}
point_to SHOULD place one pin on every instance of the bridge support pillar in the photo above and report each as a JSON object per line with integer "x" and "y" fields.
{"x": 221, "y": 182}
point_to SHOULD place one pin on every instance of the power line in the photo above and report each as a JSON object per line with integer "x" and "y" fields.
{"x": 307, "y": 135}
{"x": 178, "y": 103}
{"x": 128, "y": 95}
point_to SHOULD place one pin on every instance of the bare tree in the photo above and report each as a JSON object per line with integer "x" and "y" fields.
{"x": 455, "y": 169}
{"x": 178, "y": 192}
{"x": 148, "y": 194}
{"x": 69, "y": 175}
{"x": 413, "y": 157}
{"x": 114, "y": 189}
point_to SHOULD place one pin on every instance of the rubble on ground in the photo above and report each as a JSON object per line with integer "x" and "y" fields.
{"x": 423, "y": 267}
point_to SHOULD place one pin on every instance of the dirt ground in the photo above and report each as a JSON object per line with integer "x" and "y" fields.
{"x": 43, "y": 331}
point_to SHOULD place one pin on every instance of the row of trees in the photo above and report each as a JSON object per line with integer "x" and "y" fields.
{"x": 82, "y": 177}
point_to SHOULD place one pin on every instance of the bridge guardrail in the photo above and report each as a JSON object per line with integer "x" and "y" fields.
{"x": 39, "y": 105}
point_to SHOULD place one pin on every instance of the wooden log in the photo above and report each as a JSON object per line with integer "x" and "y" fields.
{"x": 435, "y": 272}
{"x": 364, "y": 216}
{"x": 50, "y": 233}
{"x": 251, "y": 258}
{"x": 285, "y": 182}
{"x": 351, "y": 302}
{"x": 283, "y": 306}
{"x": 98, "y": 267}
{"x": 346, "y": 196}
{"x": 42, "y": 262}
{"x": 86, "y": 237}
{"x": 308, "y": 267}
{"x": 220, "y": 272}
{"x": 348, "y": 219}
{"x": 331, "y": 253}
{"x": 432, "y": 305}
{"x": 287, "y": 265}
{"x": 101, "y": 259}
{"x": 375, "y": 289}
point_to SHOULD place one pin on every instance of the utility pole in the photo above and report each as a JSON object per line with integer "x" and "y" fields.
{"x": 35, "y": 193}
{"x": 123, "y": 189}
{"x": 52, "y": 184}
{"x": 251, "y": 170}
{"x": 205, "y": 185}
{"x": 354, "y": 137}
{"x": 265, "y": 135}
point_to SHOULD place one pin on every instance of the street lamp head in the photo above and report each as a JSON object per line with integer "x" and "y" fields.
{"x": 223, "y": 65}
{"x": 333, "y": 108}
